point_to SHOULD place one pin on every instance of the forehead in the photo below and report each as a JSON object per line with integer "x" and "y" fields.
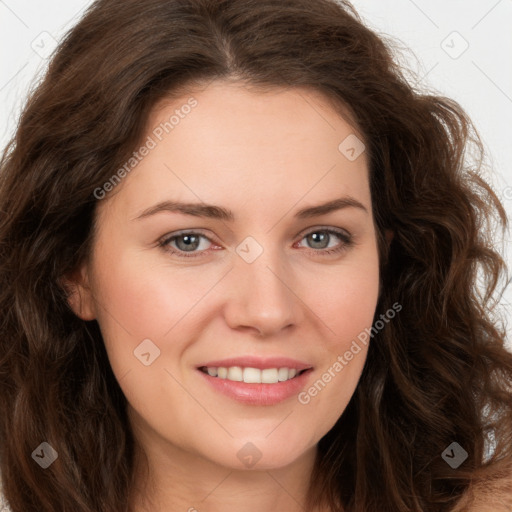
{"x": 228, "y": 142}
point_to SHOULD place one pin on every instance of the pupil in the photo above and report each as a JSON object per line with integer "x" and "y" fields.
{"x": 319, "y": 238}
{"x": 191, "y": 242}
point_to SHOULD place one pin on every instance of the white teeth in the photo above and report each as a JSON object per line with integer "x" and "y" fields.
{"x": 235, "y": 373}
{"x": 283, "y": 374}
{"x": 269, "y": 376}
{"x": 252, "y": 375}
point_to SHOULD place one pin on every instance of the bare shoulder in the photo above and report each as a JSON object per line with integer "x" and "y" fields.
{"x": 497, "y": 494}
{"x": 491, "y": 496}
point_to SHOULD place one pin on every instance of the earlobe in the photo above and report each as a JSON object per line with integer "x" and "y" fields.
{"x": 79, "y": 294}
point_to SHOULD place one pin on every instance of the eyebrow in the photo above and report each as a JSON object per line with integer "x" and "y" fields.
{"x": 218, "y": 212}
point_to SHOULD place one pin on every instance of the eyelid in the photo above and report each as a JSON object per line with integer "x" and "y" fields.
{"x": 302, "y": 233}
{"x": 164, "y": 242}
{"x": 339, "y": 231}
{"x": 345, "y": 236}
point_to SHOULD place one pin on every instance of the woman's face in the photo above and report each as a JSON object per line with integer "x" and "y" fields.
{"x": 243, "y": 267}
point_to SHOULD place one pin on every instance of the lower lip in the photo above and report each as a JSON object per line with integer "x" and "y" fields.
{"x": 258, "y": 394}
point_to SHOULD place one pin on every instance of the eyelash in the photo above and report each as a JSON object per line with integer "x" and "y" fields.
{"x": 347, "y": 240}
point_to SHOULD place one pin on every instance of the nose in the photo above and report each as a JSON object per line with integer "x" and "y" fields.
{"x": 263, "y": 295}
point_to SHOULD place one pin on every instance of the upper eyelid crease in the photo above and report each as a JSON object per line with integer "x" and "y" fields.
{"x": 217, "y": 212}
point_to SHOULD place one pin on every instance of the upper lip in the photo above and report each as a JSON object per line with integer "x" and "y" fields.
{"x": 261, "y": 363}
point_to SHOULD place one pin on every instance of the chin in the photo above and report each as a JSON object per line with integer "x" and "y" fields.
{"x": 260, "y": 453}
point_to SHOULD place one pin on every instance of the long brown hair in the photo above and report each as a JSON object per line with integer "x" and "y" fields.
{"x": 438, "y": 373}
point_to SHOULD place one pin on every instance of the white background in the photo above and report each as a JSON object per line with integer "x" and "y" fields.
{"x": 437, "y": 32}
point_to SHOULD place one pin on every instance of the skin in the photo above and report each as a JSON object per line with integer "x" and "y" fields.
{"x": 263, "y": 155}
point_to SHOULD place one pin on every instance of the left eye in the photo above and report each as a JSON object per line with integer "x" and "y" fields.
{"x": 320, "y": 236}
{"x": 187, "y": 244}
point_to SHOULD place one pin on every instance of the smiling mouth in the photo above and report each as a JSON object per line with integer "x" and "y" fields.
{"x": 253, "y": 375}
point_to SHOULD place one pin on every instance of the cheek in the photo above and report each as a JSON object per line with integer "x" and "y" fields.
{"x": 346, "y": 307}
{"x": 137, "y": 303}
{"x": 346, "y": 302}
{"x": 145, "y": 299}
{"x": 140, "y": 300}
{"x": 352, "y": 308}
{"x": 140, "y": 303}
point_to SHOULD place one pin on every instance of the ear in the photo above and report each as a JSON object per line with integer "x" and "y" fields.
{"x": 79, "y": 294}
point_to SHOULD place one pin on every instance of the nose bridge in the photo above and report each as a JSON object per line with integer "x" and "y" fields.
{"x": 262, "y": 292}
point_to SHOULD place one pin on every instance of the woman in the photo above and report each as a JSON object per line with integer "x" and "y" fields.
{"x": 239, "y": 261}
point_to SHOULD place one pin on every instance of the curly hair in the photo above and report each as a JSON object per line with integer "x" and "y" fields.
{"x": 440, "y": 372}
